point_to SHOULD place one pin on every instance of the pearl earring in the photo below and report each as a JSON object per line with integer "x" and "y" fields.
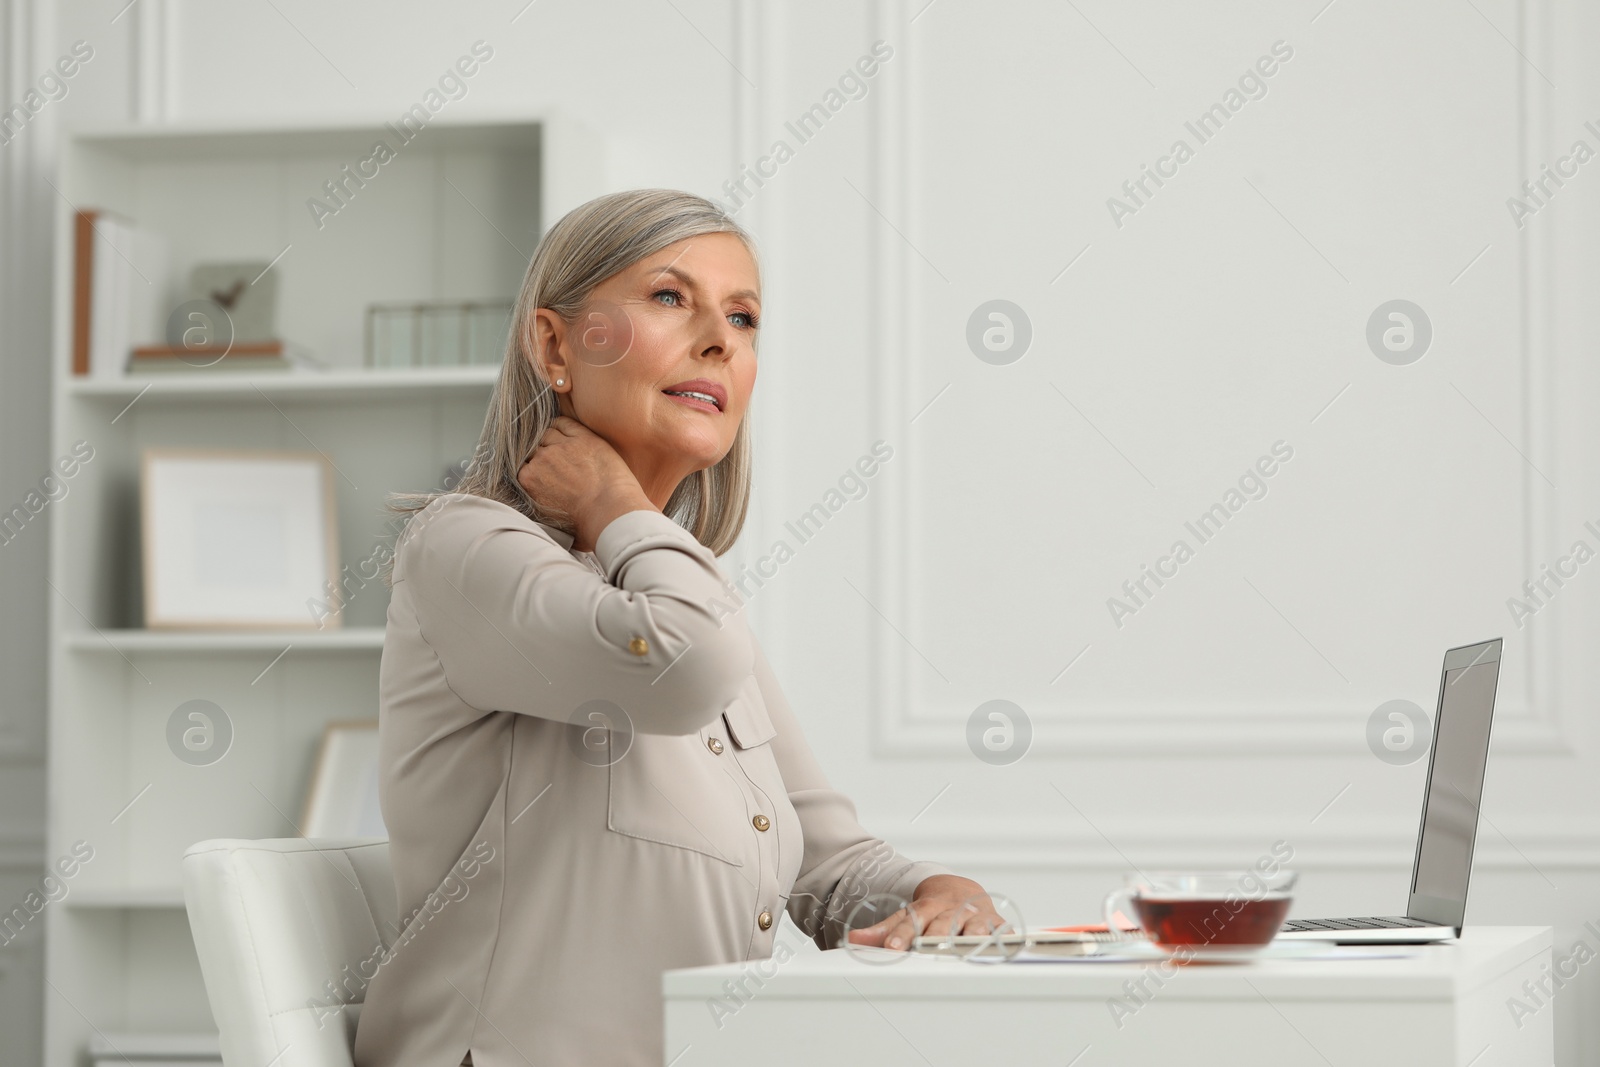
{"x": 561, "y": 381}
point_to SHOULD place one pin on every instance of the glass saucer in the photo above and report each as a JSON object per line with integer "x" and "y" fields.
{"x": 1272, "y": 950}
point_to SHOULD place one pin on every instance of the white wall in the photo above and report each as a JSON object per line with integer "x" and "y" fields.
{"x": 1223, "y": 315}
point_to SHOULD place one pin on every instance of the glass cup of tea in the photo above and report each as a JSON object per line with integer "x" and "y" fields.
{"x": 1205, "y": 913}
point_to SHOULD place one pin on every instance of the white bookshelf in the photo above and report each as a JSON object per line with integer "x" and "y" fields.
{"x": 334, "y": 386}
{"x": 452, "y": 217}
{"x": 184, "y": 643}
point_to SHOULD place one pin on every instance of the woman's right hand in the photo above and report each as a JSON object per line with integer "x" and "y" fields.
{"x": 575, "y": 472}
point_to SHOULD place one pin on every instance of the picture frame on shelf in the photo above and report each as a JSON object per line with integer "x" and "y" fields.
{"x": 342, "y": 795}
{"x": 238, "y": 539}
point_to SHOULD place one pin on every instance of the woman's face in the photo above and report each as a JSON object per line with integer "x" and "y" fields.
{"x": 680, "y": 320}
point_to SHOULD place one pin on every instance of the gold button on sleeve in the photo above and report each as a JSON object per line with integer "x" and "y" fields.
{"x": 761, "y": 822}
{"x": 639, "y": 646}
{"x": 715, "y": 745}
{"x": 764, "y": 920}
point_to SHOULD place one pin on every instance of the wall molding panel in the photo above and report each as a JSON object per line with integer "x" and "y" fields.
{"x": 912, "y": 722}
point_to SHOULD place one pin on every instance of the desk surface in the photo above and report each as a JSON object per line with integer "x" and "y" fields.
{"x": 1441, "y": 1005}
{"x": 1433, "y": 972}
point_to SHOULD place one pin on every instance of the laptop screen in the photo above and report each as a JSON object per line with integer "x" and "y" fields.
{"x": 1455, "y": 784}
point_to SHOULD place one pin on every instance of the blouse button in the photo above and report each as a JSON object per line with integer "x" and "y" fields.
{"x": 764, "y": 920}
{"x": 761, "y": 822}
{"x": 639, "y": 646}
{"x": 714, "y": 744}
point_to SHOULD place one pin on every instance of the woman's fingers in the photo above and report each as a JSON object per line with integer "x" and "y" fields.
{"x": 898, "y": 930}
{"x": 895, "y": 931}
{"x": 873, "y": 936}
{"x": 970, "y": 917}
{"x": 562, "y": 426}
{"x": 985, "y": 924}
{"x": 954, "y": 920}
{"x": 910, "y": 926}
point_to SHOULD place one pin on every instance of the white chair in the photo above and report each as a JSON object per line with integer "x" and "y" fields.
{"x": 283, "y": 928}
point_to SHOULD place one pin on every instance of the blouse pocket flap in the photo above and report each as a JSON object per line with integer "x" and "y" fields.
{"x": 748, "y": 723}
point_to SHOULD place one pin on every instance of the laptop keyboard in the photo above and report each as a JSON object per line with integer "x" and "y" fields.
{"x": 1371, "y": 923}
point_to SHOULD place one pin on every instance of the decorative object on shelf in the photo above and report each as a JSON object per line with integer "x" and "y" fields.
{"x": 246, "y": 294}
{"x": 427, "y": 334}
{"x": 342, "y": 799}
{"x": 238, "y": 539}
{"x": 225, "y": 322}
{"x": 119, "y": 279}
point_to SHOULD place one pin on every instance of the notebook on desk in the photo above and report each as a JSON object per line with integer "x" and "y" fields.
{"x": 1443, "y": 860}
{"x": 1048, "y": 941}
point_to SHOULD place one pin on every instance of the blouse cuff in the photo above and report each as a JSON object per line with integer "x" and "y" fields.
{"x": 638, "y": 531}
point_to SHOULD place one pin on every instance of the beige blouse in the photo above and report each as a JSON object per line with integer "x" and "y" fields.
{"x": 589, "y": 775}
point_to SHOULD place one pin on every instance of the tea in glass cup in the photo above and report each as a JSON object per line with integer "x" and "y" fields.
{"x": 1205, "y": 912}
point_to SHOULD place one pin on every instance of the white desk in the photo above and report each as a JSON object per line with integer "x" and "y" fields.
{"x": 1446, "y": 1006}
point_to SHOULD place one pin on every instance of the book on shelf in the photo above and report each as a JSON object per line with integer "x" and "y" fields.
{"x": 256, "y": 356}
{"x": 251, "y": 357}
{"x": 119, "y": 282}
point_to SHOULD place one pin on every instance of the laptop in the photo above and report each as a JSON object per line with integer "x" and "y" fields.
{"x": 1443, "y": 861}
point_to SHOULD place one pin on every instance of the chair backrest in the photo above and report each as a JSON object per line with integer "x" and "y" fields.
{"x": 288, "y": 931}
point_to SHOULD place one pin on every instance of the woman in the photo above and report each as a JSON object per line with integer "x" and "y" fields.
{"x": 588, "y": 770}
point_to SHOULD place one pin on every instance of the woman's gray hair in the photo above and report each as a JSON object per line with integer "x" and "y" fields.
{"x": 588, "y": 245}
